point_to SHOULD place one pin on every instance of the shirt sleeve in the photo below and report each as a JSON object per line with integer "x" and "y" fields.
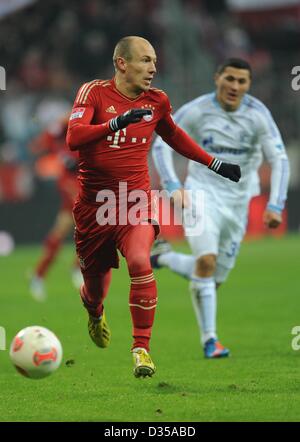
{"x": 273, "y": 147}
{"x": 173, "y": 135}
{"x": 80, "y": 132}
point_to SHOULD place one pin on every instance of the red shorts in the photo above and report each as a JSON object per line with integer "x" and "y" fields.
{"x": 97, "y": 245}
{"x": 68, "y": 188}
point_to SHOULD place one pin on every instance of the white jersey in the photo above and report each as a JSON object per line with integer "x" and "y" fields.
{"x": 239, "y": 137}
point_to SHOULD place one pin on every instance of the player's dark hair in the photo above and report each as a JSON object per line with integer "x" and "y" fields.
{"x": 237, "y": 63}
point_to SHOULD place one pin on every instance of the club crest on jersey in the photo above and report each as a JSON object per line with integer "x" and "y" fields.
{"x": 77, "y": 113}
{"x": 148, "y": 107}
{"x": 148, "y": 117}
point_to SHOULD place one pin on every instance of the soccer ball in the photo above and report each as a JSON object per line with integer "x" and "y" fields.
{"x": 36, "y": 352}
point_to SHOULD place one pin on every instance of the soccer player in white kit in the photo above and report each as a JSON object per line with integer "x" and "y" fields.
{"x": 237, "y": 128}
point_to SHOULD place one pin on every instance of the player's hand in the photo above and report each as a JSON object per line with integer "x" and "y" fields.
{"x": 227, "y": 170}
{"x": 180, "y": 199}
{"x": 272, "y": 219}
{"x": 131, "y": 116}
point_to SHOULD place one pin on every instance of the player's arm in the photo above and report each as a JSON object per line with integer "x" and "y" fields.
{"x": 80, "y": 130}
{"x": 274, "y": 150}
{"x": 162, "y": 155}
{"x": 180, "y": 141}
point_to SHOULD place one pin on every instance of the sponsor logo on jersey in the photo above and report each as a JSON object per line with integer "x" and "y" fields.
{"x": 77, "y": 113}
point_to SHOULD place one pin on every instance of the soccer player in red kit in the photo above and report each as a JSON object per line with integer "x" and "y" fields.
{"x": 53, "y": 141}
{"x": 111, "y": 125}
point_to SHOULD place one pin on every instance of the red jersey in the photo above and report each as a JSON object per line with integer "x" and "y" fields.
{"x": 107, "y": 158}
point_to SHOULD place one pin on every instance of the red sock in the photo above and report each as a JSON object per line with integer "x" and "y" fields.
{"x": 94, "y": 291}
{"x": 142, "y": 302}
{"x": 143, "y": 294}
{"x": 52, "y": 246}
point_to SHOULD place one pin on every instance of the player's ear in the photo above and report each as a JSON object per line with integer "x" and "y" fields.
{"x": 121, "y": 64}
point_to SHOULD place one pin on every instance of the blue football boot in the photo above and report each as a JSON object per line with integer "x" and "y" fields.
{"x": 214, "y": 349}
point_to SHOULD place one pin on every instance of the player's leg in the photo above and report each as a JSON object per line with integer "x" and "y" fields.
{"x": 162, "y": 255}
{"x": 135, "y": 246}
{"x": 143, "y": 293}
{"x": 96, "y": 264}
{"x": 204, "y": 295}
{"x": 221, "y": 273}
{"x": 97, "y": 254}
{"x": 93, "y": 292}
{"x": 183, "y": 264}
{"x": 229, "y": 247}
{"x": 203, "y": 239}
{"x": 231, "y": 234}
{"x": 204, "y": 298}
{"x": 63, "y": 225}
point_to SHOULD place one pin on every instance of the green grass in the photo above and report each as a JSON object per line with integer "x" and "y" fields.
{"x": 258, "y": 307}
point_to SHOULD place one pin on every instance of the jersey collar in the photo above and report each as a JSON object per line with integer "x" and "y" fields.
{"x": 113, "y": 83}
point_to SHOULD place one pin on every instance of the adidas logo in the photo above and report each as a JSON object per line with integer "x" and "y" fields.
{"x": 111, "y": 110}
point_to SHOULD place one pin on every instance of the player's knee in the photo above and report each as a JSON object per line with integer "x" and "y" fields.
{"x": 206, "y": 265}
{"x": 138, "y": 263}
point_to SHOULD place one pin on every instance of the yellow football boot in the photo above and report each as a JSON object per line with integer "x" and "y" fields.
{"x": 99, "y": 331}
{"x": 143, "y": 364}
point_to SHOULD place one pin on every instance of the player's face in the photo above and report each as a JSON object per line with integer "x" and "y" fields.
{"x": 232, "y": 84}
{"x": 141, "y": 69}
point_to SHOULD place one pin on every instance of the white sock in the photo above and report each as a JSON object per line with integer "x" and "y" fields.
{"x": 204, "y": 300}
{"x": 179, "y": 263}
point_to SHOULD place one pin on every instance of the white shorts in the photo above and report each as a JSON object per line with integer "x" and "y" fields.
{"x": 223, "y": 225}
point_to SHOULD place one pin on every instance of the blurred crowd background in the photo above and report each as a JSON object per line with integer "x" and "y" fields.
{"x": 49, "y": 48}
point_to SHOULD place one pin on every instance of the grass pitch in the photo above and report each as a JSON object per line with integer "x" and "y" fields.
{"x": 258, "y": 307}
